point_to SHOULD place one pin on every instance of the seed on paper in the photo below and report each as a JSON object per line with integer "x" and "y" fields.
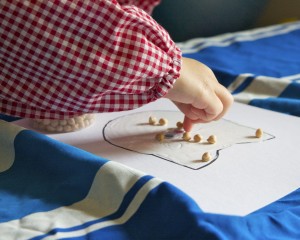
{"x": 259, "y": 133}
{"x": 179, "y": 125}
{"x": 197, "y": 138}
{"x": 163, "y": 121}
{"x": 212, "y": 139}
{"x": 152, "y": 120}
{"x": 206, "y": 157}
{"x": 160, "y": 137}
{"x": 186, "y": 136}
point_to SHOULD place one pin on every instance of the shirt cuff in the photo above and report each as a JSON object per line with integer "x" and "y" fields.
{"x": 167, "y": 81}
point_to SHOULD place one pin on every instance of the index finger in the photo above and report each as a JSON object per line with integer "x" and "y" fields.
{"x": 187, "y": 124}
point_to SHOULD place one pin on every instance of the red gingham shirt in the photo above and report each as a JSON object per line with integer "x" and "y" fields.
{"x": 60, "y": 58}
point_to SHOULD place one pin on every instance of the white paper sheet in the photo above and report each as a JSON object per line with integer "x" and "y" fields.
{"x": 244, "y": 178}
{"x": 134, "y": 133}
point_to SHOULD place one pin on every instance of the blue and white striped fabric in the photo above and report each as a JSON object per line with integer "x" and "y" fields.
{"x": 50, "y": 190}
{"x": 260, "y": 67}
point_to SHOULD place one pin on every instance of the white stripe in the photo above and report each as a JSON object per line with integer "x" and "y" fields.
{"x": 238, "y": 81}
{"x": 132, "y": 208}
{"x": 293, "y": 77}
{"x": 257, "y": 31}
{"x": 111, "y": 183}
{"x": 262, "y": 87}
{"x": 247, "y": 34}
{"x": 229, "y": 38}
{"x": 8, "y": 132}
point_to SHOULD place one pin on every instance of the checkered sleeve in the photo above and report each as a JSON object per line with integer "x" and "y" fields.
{"x": 63, "y": 58}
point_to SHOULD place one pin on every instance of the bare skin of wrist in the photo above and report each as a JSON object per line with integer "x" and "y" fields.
{"x": 198, "y": 94}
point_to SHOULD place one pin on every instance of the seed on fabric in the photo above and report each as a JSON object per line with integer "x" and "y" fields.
{"x": 49, "y": 128}
{"x": 64, "y": 125}
{"x": 59, "y": 128}
{"x": 45, "y": 121}
{"x": 68, "y": 128}
{"x": 71, "y": 121}
{"x": 63, "y": 122}
{"x": 54, "y": 123}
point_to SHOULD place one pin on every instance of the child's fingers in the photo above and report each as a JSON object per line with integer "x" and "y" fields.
{"x": 187, "y": 124}
{"x": 215, "y": 110}
{"x": 226, "y": 98}
{"x": 207, "y": 107}
{"x": 186, "y": 110}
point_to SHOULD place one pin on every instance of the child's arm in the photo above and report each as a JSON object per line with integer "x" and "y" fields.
{"x": 63, "y": 58}
{"x": 198, "y": 94}
{"x": 146, "y": 5}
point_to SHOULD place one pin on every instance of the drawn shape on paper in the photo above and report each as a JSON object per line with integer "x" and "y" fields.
{"x": 133, "y": 132}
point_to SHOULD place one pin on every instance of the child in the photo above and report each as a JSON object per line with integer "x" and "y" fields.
{"x": 63, "y": 58}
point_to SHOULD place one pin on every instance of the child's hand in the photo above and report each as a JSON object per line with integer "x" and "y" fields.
{"x": 198, "y": 94}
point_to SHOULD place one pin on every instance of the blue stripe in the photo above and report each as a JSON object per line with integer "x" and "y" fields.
{"x": 8, "y": 118}
{"x": 43, "y": 176}
{"x": 283, "y": 105}
{"x": 244, "y": 85}
{"x": 224, "y": 78}
{"x": 235, "y": 38}
{"x": 260, "y": 57}
{"x": 291, "y": 91}
{"x": 166, "y": 213}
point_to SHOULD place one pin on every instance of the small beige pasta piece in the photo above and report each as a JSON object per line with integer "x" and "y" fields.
{"x": 152, "y": 120}
{"x": 59, "y": 129}
{"x": 259, "y": 133}
{"x": 71, "y": 121}
{"x": 179, "y": 125}
{"x": 68, "y": 128}
{"x": 160, "y": 137}
{"x": 54, "y": 123}
{"x": 212, "y": 139}
{"x": 197, "y": 138}
{"x": 50, "y": 128}
{"x": 45, "y": 121}
{"x": 63, "y": 122}
{"x": 65, "y": 125}
{"x": 186, "y": 136}
{"x": 206, "y": 157}
{"x": 163, "y": 121}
